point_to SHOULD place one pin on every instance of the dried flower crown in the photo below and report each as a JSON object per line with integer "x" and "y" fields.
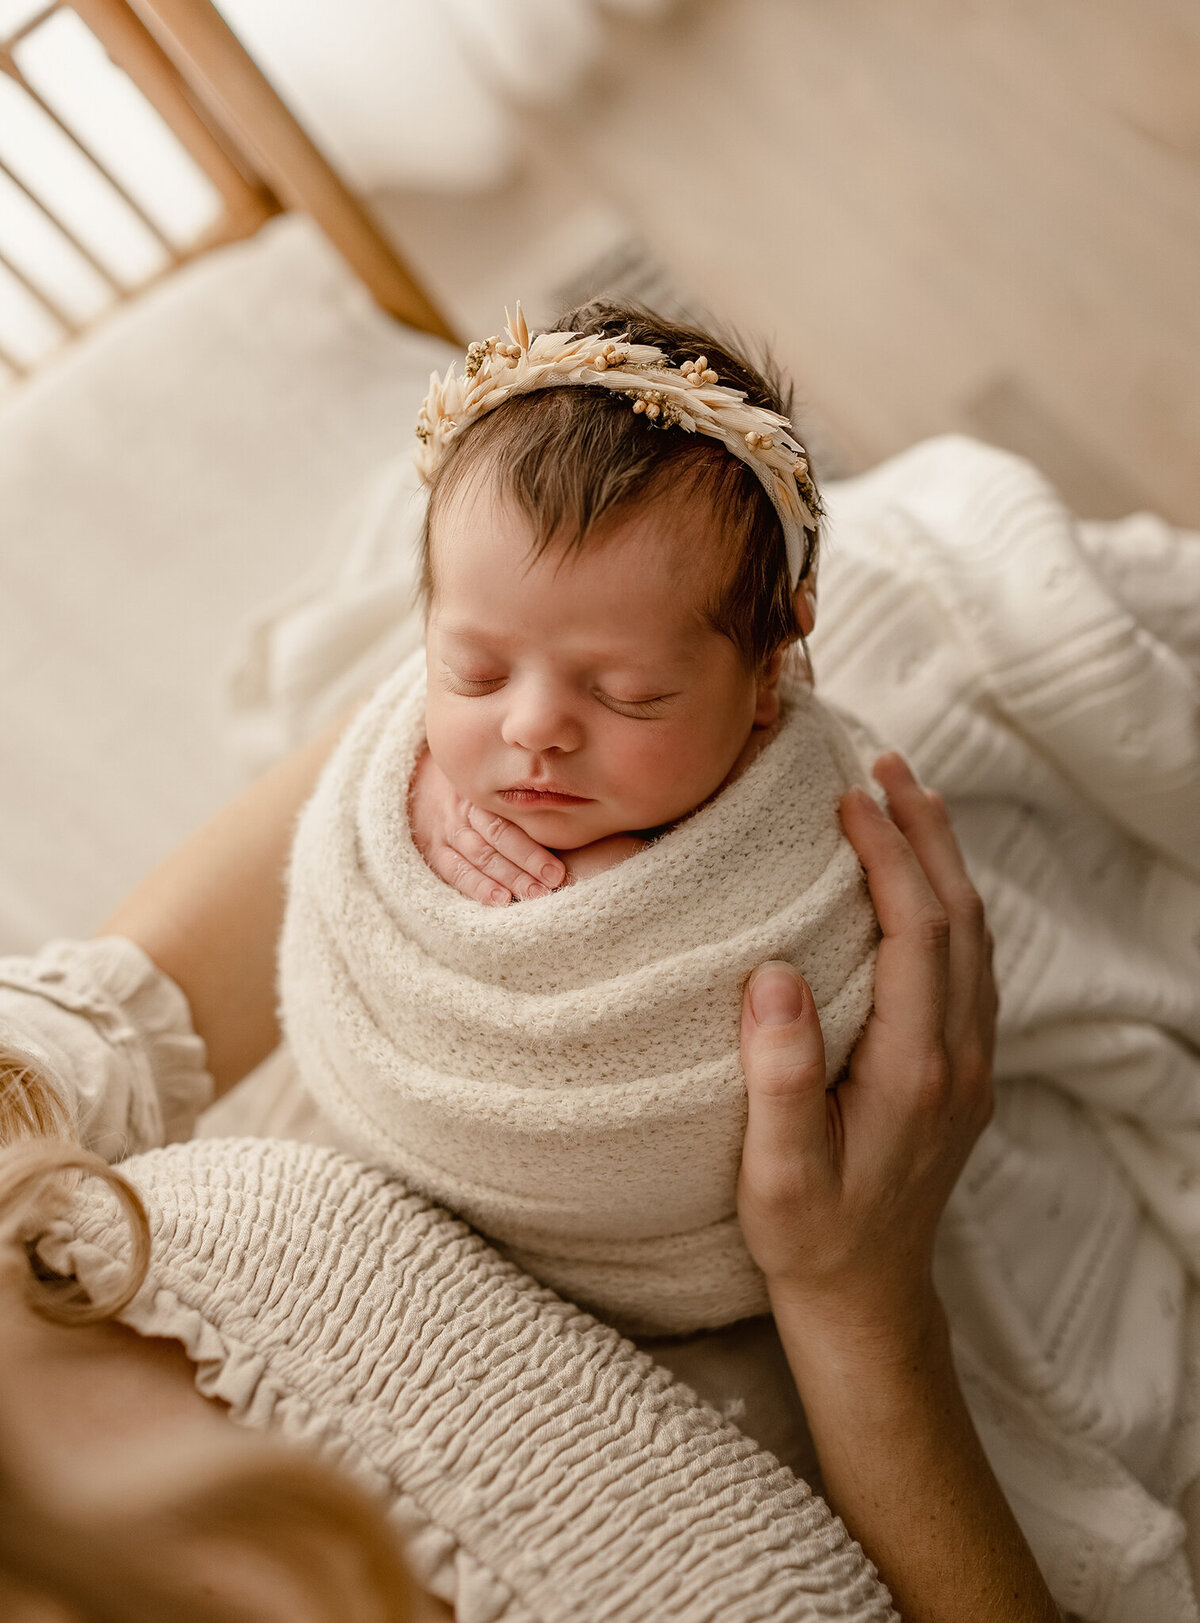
{"x": 688, "y": 397}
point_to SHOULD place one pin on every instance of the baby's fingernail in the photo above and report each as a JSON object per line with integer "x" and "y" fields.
{"x": 553, "y": 873}
{"x": 776, "y": 994}
{"x": 535, "y": 890}
{"x": 499, "y": 898}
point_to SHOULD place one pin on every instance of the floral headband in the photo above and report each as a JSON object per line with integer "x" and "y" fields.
{"x": 688, "y": 397}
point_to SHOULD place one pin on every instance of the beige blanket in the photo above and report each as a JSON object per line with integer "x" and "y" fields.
{"x": 564, "y": 1073}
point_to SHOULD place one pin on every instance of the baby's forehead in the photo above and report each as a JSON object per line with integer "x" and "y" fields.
{"x": 679, "y": 530}
{"x": 599, "y": 637}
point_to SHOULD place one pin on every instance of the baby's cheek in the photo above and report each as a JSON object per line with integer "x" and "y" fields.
{"x": 653, "y": 770}
{"x": 454, "y": 745}
{"x": 673, "y": 774}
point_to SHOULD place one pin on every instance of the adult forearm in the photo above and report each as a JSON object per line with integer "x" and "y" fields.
{"x": 210, "y": 915}
{"x": 904, "y": 1468}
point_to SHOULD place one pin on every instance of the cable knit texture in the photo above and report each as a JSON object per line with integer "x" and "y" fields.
{"x": 564, "y": 1073}
{"x": 1045, "y": 677}
{"x": 537, "y": 1466}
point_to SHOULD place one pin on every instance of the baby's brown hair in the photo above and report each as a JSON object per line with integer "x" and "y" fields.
{"x": 573, "y": 458}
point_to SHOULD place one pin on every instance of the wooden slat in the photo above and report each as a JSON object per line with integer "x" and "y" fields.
{"x": 81, "y": 248}
{"x": 11, "y": 67}
{"x": 43, "y": 298}
{"x": 14, "y": 366}
{"x": 134, "y": 49}
{"x": 32, "y": 24}
{"x": 215, "y": 63}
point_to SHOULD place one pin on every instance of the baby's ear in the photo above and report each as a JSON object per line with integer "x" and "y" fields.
{"x": 766, "y": 706}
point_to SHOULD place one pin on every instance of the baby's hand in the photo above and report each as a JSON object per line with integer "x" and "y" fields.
{"x": 477, "y": 852}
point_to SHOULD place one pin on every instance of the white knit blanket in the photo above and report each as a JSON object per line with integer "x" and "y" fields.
{"x": 564, "y": 1073}
{"x": 1044, "y": 675}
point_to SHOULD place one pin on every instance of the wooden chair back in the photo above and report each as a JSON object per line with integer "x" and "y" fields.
{"x": 187, "y": 63}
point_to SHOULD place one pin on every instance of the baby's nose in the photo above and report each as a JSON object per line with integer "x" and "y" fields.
{"x": 537, "y": 722}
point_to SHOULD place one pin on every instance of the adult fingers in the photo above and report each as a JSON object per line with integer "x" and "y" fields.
{"x": 476, "y": 850}
{"x": 924, "y": 821}
{"x": 783, "y": 1058}
{"x": 910, "y": 978}
{"x": 514, "y": 844}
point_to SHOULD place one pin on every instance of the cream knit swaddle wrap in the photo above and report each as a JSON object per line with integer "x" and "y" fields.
{"x": 564, "y": 1073}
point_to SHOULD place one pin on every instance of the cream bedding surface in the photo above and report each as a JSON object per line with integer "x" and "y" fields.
{"x": 187, "y": 462}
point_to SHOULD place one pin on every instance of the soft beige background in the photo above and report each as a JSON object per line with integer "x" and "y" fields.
{"x": 947, "y": 214}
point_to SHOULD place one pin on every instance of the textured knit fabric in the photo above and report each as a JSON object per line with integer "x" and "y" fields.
{"x": 565, "y": 1073}
{"x": 1045, "y": 677}
{"x": 537, "y": 1467}
{"x": 113, "y": 1038}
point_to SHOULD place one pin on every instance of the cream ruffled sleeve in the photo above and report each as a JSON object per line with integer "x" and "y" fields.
{"x": 112, "y": 1035}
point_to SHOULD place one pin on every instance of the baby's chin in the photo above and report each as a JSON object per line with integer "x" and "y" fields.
{"x": 553, "y": 828}
{"x": 560, "y": 828}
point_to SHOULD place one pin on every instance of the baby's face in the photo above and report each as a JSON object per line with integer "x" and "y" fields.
{"x": 582, "y": 695}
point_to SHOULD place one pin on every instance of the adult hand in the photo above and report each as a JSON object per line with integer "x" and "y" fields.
{"x": 839, "y": 1198}
{"x": 841, "y": 1190}
{"x": 479, "y": 853}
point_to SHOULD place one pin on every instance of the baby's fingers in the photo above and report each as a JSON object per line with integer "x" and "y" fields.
{"x": 514, "y": 845}
{"x": 486, "y": 860}
{"x": 464, "y": 877}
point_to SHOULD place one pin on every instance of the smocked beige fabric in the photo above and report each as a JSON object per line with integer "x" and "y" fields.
{"x": 565, "y": 1073}
{"x": 537, "y": 1466}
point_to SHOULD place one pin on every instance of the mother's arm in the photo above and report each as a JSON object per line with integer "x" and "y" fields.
{"x": 839, "y": 1199}
{"x": 209, "y": 916}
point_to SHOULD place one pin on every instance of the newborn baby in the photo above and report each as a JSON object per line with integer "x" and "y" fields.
{"x": 618, "y": 557}
{"x": 585, "y": 693}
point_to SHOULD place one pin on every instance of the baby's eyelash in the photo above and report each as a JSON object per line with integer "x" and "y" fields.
{"x": 477, "y": 688}
{"x": 645, "y": 708}
{"x": 467, "y": 688}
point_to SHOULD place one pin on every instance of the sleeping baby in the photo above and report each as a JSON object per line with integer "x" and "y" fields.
{"x": 619, "y": 550}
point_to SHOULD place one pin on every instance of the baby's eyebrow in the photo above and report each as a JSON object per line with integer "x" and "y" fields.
{"x": 469, "y": 633}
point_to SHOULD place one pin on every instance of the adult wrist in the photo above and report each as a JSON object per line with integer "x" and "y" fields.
{"x": 860, "y": 1337}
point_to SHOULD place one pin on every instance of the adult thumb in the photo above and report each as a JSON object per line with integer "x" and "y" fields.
{"x": 783, "y": 1058}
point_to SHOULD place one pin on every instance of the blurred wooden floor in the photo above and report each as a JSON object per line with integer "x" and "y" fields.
{"x": 945, "y": 215}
